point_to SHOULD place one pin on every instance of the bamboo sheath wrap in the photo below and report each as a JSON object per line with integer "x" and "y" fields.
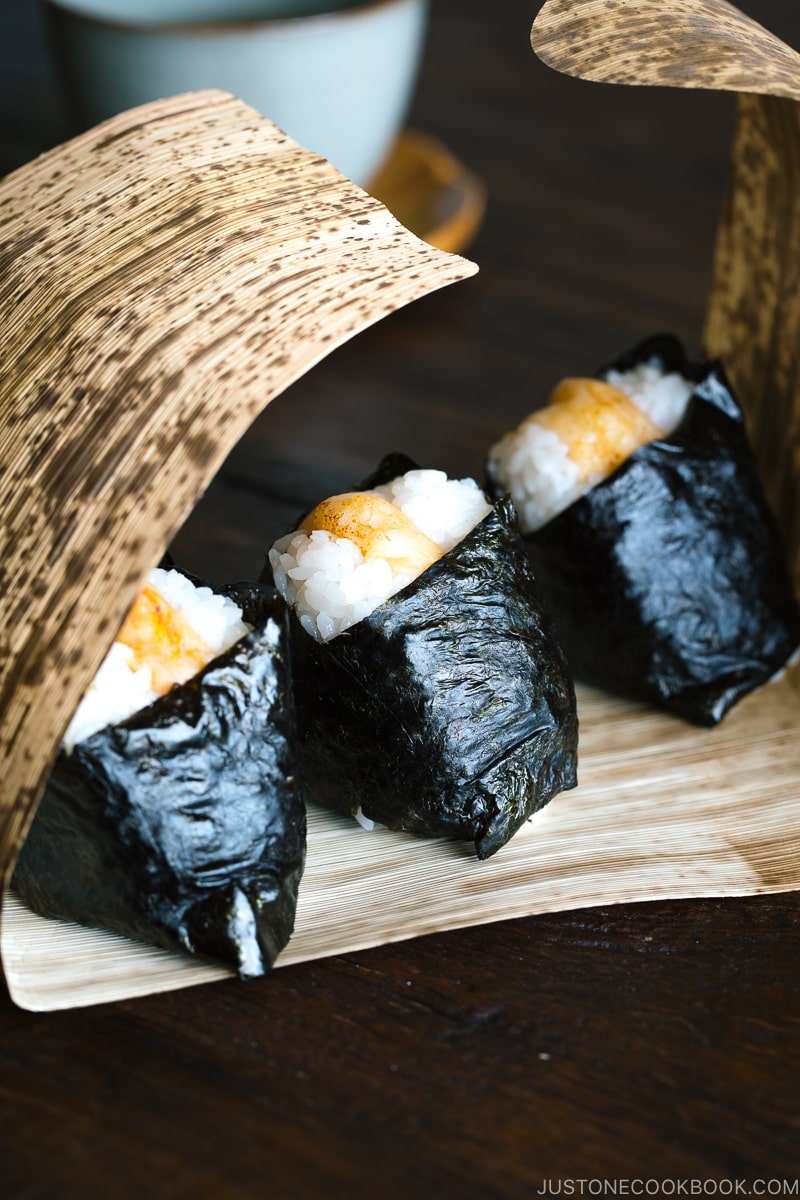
{"x": 166, "y": 275}
{"x": 163, "y": 277}
{"x": 753, "y": 315}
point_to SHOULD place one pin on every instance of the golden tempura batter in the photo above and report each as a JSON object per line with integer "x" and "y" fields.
{"x": 163, "y": 640}
{"x": 598, "y": 423}
{"x": 379, "y": 528}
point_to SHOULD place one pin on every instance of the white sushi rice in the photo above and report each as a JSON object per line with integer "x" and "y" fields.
{"x": 328, "y": 582}
{"x": 533, "y": 463}
{"x": 118, "y": 690}
{"x": 364, "y": 821}
{"x": 443, "y": 509}
{"x": 661, "y": 396}
{"x": 332, "y": 586}
{"x": 216, "y": 619}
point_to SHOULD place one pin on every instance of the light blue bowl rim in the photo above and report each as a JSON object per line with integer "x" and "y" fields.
{"x": 231, "y": 28}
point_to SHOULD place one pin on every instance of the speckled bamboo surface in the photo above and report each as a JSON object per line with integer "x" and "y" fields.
{"x": 753, "y": 320}
{"x": 665, "y": 43}
{"x": 162, "y": 278}
{"x": 663, "y": 809}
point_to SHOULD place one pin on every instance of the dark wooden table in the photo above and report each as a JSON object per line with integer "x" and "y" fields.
{"x": 627, "y": 1043}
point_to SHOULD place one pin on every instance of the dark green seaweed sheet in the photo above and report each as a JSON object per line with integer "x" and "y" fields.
{"x": 184, "y": 826}
{"x": 667, "y": 581}
{"x": 450, "y": 710}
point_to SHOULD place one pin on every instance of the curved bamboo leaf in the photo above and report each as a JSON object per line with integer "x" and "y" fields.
{"x": 162, "y": 278}
{"x": 667, "y": 43}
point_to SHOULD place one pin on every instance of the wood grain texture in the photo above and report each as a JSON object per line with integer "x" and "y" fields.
{"x": 162, "y": 278}
{"x": 626, "y": 1041}
{"x": 753, "y": 320}
{"x": 635, "y": 829}
{"x": 665, "y": 43}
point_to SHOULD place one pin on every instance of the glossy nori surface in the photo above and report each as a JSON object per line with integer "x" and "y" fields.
{"x": 450, "y": 710}
{"x": 184, "y": 826}
{"x": 667, "y": 581}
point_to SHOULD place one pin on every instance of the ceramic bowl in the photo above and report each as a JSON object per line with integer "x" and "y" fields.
{"x": 338, "y": 82}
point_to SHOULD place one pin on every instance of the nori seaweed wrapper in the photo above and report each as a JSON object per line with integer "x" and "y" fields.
{"x": 184, "y": 826}
{"x": 450, "y": 710}
{"x": 667, "y": 581}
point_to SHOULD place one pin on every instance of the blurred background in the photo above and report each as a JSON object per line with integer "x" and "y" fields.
{"x": 600, "y": 220}
{"x": 655, "y": 1038}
